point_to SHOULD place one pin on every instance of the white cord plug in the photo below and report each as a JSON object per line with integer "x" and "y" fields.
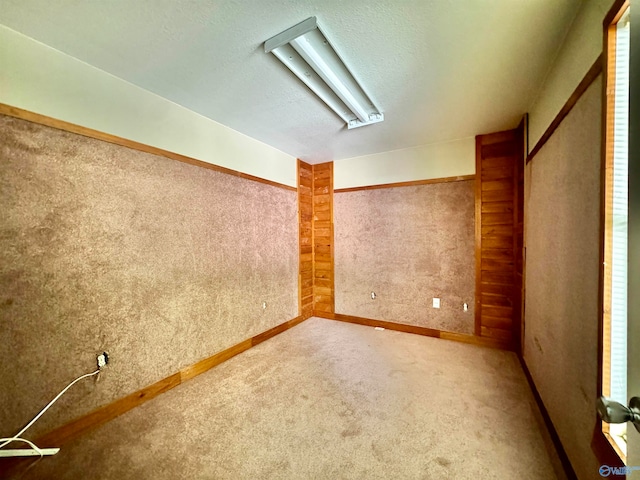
{"x": 17, "y": 436}
{"x": 103, "y": 359}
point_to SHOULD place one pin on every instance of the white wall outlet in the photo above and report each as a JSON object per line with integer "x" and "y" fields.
{"x": 264, "y": 305}
{"x": 103, "y": 359}
{"x": 436, "y": 303}
{"x": 465, "y": 307}
{"x": 373, "y": 295}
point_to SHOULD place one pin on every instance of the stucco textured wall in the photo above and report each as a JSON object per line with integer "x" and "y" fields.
{"x": 157, "y": 262}
{"x": 408, "y": 245}
{"x": 562, "y": 237}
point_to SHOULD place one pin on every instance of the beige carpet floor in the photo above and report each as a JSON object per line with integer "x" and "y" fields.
{"x": 328, "y": 400}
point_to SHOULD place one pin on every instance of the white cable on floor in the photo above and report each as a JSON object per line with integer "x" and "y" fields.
{"x": 17, "y": 436}
{"x": 18, "y": 439}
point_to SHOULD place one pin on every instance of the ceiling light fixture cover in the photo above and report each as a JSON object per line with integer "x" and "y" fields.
{"x": 306, "y": 51}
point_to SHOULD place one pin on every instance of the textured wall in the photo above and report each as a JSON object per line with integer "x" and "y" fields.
{"x": 158, "y": 262}
{"x": 562, "y": 215}
{"x": 408, "y": 245}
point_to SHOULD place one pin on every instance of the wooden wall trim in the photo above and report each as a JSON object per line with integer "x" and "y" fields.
{"x": 553, "y": 433}
{"x": 606, "y": 200}
{"x": 518, "y": 240}
{"x": 106, "y": 137}
{"x": 425, "y": 331}
{"x": 602, "y": 445}
{"x": 106, "y": 413}
{"x": 306, "y": 247}
{"x": 478, "y": 236}
{"x": 412, "y": 183}
{"x": 589, "y": 78}
{"x": 323, "y": 238}
{"x": 614, "y": 14}
{"x": 496, "y": 301}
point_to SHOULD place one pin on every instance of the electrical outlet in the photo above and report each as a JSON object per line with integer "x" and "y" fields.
{"x": 103, "y": 359}
{"x": 465, "y": 307}
{"x": 436, "y": 303}
{"x": 373, "y": 295}
{"x": 264, "y": 305}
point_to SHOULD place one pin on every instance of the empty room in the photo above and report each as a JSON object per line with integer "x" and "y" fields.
{"x": 318, "y": 239}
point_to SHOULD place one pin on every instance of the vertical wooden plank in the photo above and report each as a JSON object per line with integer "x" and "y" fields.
{"x": 333, "y": 297}
{"x": 305, "y": 224}
{"x": 478, "y": 242}
{"x": 323, "y": 238}
{"x": 498, "y": 232}
{"x": 300, "y": 230}
{"x": 518, "y": 212}
{"x": 313, "y": 239}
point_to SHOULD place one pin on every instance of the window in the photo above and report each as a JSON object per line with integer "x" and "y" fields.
{"x": 614, "y": 354}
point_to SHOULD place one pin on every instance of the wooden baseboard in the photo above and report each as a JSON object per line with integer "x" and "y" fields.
{"x": 555, "y": 438}
{"x": 429, "y": 332}
{"x": 104, "y": 414}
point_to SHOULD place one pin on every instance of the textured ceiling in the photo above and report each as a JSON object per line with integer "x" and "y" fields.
{"x": 439, "y": 69}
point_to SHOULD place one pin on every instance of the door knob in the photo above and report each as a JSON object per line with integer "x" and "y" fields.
{"x": 614, "y": 412}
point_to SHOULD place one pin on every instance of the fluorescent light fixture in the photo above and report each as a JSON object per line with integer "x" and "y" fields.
{"x": 306, "y": 51}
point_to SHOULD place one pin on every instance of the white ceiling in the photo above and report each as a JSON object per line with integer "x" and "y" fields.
{"x": 439, "y": 69}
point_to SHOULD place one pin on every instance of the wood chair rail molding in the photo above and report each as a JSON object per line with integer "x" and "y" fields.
{"x": 413, "y": 183}
{"x": 106, "y": 137}
{"x": 588, "y": 79}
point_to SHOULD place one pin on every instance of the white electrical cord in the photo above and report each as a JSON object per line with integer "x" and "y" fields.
{"x": 16, "y": 437}
{"x": 33, "y": 447}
